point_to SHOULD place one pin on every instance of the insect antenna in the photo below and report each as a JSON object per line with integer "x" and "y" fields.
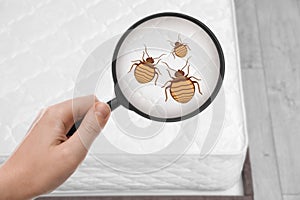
{"x": 186, "y": 63}
{"x": 160, "y": 56}
{"x": 169, "y": 66}
{"x": 146, "y": 51}
{"x": 157, "y": 62}
{"x": 143, "y": 56}
{"x": 169, "y": 74}
{"x": 179, "y": 39}
{"x": 171, "y": 43}
{"x": 135, "y": 60}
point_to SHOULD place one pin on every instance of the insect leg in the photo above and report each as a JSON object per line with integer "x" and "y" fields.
{"x": 165, "y": 84}
{"x": 156, "y": 78}
{"x": 195, "y": 82}
{"x": 198, "y": 79}
{"x": 188, "y": 46}
{"x": 157, "y": 70}
{"x": 173, "y": 53}
{"x": 166, "y": 92}
{"x": 132, "y": 66}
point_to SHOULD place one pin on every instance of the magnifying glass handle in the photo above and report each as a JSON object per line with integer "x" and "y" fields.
{"x": 112, "y": 104}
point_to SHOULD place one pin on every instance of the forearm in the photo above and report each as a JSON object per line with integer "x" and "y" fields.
{"x": 5, "y": 184}
{"x": 11, "y": 188}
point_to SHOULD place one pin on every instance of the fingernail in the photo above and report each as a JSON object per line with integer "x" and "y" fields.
{"x": 102, "y": 110}
{"x": 95, "y": 98}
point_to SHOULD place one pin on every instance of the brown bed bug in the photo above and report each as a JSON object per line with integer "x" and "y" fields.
{"x": 180, "y": 49}
{"x": 145, "y": 70}
{"x": 182, "y": 87}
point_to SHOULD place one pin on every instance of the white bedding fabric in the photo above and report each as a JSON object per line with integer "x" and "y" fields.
{"x": 43, "y": 45}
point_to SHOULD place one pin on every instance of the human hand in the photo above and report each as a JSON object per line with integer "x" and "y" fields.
{"x": 46, "y": 157}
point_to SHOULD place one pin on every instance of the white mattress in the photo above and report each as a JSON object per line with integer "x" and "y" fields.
{"x": 44, "y": 45}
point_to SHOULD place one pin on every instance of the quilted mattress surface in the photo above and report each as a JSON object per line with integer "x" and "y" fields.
{"x": 45, "y": 48}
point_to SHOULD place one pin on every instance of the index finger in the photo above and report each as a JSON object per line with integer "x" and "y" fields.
{"x": 72, "y": 110}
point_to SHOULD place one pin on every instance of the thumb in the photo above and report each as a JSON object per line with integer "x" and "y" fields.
{"x": 90, "y": 127}
{"x": 92, "y": 124}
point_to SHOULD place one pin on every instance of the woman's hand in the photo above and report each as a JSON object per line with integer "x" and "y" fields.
{"x": 46, "y": 157}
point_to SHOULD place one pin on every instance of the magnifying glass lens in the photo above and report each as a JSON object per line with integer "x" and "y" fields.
{"x": 167, "y": 68}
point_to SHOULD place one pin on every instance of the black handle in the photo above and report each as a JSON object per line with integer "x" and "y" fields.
{"x": 113, "y": 104}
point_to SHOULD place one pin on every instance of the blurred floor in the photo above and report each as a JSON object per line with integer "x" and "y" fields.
{"x": 269, "y": 39}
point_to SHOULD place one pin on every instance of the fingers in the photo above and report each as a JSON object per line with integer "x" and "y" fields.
{"x": 71, "y": 110}
{"x": 92, "y": 124}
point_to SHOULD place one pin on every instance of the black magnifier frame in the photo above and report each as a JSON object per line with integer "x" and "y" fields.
{"x": 120, "y": 99}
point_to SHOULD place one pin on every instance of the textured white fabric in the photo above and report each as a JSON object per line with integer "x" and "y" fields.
{"x": 42, "y": 47}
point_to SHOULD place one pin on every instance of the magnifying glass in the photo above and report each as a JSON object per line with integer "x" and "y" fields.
{"x": 166, "y": 67}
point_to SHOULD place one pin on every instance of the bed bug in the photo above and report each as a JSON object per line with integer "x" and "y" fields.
{"x": 145, "y": 70}
{"x": 182, "y": 87}
{"x": 180, "y": 49}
